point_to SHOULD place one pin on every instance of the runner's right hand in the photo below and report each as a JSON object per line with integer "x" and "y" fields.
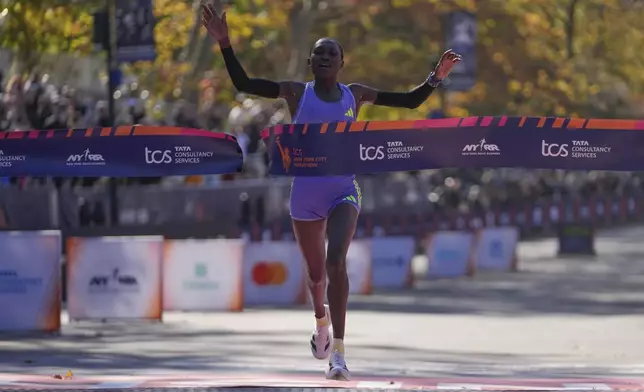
{"x": 213, "y": 22}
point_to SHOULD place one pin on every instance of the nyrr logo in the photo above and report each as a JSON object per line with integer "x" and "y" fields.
{"x": 371, "y": 153}
{"x": 116, "y": 281}
{"x": 86, "y": 158}
{"x": 157, "y": 157}
{"x": 269, "y": 273}
{"x": 482, "y": 148}
{"x": 554, "y": 150}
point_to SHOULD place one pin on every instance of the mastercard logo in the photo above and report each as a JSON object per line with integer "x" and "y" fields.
{"x": 269, "y": 273}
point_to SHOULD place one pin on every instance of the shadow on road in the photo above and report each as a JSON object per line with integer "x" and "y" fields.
{"x": 247, "y": 355}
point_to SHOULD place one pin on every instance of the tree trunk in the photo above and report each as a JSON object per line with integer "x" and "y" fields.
{"x": 301, "y": 19}
{"x": 570, "y": 36}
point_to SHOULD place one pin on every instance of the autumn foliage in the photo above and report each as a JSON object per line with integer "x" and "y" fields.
{"x": 546, "y": 57}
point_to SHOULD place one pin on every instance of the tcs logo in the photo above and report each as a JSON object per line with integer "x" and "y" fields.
{"x": 269, "y": 273}
{"x": 157, "y": 156}
{"x": 554, "y": 150}
{"x": 371, "y": 153}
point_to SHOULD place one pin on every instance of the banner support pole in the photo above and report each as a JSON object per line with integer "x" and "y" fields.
{"x": 113, "y": 69}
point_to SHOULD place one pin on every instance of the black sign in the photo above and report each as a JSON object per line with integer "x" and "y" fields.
{"x": 460, "y": 34}
{"x": 135, "y": 23}
{"x": 576, "y": 239}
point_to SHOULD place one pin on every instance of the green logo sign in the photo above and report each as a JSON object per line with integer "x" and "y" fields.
{"x": 200, "y": 281}
{"x": 201, "y": 270}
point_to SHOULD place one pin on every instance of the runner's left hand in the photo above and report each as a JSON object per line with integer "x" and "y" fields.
{"x": 448, "y": 60}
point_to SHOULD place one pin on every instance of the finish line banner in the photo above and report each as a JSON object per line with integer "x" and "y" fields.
{"x": 342, "y": 148}
{"x": 132, "y": 151}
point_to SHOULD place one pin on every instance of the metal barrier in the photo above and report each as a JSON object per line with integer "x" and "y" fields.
{"x": 242, "y": 205}
{"x": 34, "y": 209}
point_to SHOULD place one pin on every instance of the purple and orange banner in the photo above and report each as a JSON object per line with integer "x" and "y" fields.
{"x": 343, "y": 148}
{"x": 131, "y": 151}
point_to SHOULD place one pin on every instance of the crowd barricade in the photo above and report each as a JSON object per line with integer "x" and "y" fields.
{"x": 203, "y": 275}
{"x": 495, "y": 249}
{"x": 274, "y": 274}
{"x": 30, "y": 282}
{"x": 115, "y": 277}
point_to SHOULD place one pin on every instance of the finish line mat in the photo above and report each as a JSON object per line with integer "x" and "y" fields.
{"x": 300, "y": 382}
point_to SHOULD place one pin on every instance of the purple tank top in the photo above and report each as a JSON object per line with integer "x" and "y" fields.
{"x": 313, "y": 110}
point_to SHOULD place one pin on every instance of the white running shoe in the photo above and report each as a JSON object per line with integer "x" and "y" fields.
{"x": 321, "y": 339}
{"x": 338, "y": 368}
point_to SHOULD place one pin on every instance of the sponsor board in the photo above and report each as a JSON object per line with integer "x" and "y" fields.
{"x": 30, "y": 282}
{"x": 203, "y": 275}
{"x": 274, "y": 274}
{"x": 449, "y": 254}
{"x": 391, "y": 261}
{"x": 114, "y": 277}
{"x": 495, "y": 248}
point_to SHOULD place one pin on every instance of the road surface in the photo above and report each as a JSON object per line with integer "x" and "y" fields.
{"x": 573, "y": 318}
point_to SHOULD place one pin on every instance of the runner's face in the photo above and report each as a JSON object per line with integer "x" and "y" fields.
{"x": 326, "y": 59}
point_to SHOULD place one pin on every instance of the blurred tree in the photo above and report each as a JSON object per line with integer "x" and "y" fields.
{"x": 546, "y": 57}
{"x": 172, "y": 35}
{"x": 35, "y": 27}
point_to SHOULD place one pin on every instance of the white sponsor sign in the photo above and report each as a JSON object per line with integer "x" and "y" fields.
{"x": 391, "y": 261}
{"x": 114, "y": 277}
{"x": 274, "y": 274}
{"x": 30, "y": 282}
{"x": 359, "y": 267}
{"x": 496, "y": 248}
{"x": 201, "y": 275}
{"x": 449, "y": 254}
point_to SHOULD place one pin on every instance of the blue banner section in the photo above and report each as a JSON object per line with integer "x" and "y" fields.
{"x": 474, "y": 142}
{"x": 135, "y": 23}
{"x": 118, "y": 152}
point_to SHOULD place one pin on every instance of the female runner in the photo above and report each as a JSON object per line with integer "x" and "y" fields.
{"x": 323, "y": 206}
